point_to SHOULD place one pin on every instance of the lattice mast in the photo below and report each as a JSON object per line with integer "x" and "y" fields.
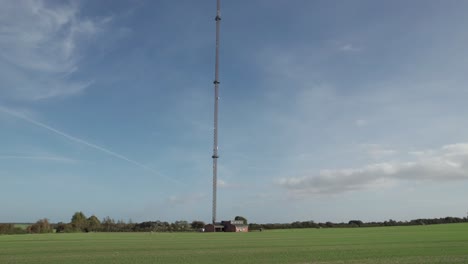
{"x": 216, "y": 100}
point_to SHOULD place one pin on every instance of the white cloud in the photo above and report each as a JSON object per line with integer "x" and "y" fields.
{"x": 40, "y": 48}
{"x": 349, "y": 48}
{"x": 227, "y": 185}
{"x": 361, "y": 122}
{"x": 449, "y": 163}
{"x": 221, "y": 183}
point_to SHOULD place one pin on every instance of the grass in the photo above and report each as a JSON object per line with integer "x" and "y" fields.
{"x": 22, "y": 226}
{"x": 416, "y": 244}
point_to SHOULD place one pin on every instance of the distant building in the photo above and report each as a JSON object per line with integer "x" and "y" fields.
{"x": 235, "y": 226}
{"x": 214, "y": 228}
{"x": 227, "y": 226}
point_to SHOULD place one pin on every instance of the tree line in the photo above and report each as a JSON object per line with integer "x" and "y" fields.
{"x": 357, "y": 223}
{"x": 41, "y": 226}
{"x": 80, "y": 223}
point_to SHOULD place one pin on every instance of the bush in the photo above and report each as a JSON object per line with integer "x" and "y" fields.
{"x": 10, "y": 229}
{"x": 41, "y": 226}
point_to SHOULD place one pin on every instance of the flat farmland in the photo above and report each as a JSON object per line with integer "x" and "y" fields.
{"x": 415, "y": 244}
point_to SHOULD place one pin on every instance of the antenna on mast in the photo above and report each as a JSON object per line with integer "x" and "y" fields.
{"x": 215, "y": 128}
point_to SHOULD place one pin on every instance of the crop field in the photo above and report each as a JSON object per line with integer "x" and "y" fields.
{"x": 416, "y": 244}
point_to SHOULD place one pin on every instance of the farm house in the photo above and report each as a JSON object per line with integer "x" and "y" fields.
{"x": 227, "y": 226}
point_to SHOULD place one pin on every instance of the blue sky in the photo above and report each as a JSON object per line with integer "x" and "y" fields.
{"x": 329, "y": 110}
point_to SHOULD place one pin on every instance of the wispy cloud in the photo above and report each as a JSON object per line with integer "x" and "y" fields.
{"x": 40, "y": 48}
{"x": 221, "y": 183}
{"x": 349, "y": 48}
{"x": 377, "y": 151}
{"x": 227, "y": 185}
{"x": 81, "y": 141}
{"x": 186, "y": 199}
{"x": 449, "y": 163}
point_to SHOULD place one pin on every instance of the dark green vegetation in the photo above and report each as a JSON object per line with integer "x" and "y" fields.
{"x": 412, "y": 244}
{"x": 41, "y": 226}
{"x": 80, "y": 223}
{"x": 10, "y": 229}
{"x": 359, "y": 223}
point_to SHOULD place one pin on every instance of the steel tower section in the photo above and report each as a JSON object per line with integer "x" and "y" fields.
{"x": 216, "y": 100}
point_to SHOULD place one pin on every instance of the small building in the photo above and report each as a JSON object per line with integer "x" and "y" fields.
{"x": 227, "y": 226}
{"x": 235, "y": 226}
{"x": 214, "y": 228}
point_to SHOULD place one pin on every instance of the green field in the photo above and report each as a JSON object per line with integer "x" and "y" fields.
{"x": 22, "y": 226}
{"x": 416, "y": 244}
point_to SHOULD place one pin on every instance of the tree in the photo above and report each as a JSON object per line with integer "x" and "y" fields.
{"x": 357, "y": 223}
{"x": 79, "y": 221}
{"x": 64, "y": 228}
{"x": 241, "y": 218}
{"x": 41, "y": 226}
{"x": 108, "y": 224}
{"x": 197, "y": 224}
{"x": 11, "y": 229}
{"x": 93, "y": 224}
{"x": 181, "y": 225}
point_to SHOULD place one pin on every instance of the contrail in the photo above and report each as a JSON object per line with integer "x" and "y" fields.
{"x": 81, "y": 141}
